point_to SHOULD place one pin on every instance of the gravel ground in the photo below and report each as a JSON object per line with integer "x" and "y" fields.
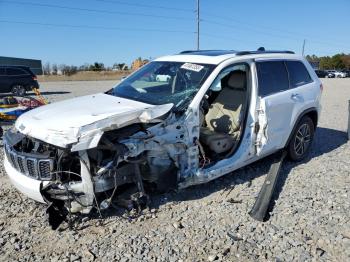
{"x": 309, "y": 222}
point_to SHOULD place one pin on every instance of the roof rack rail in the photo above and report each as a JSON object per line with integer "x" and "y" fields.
{"x": 264, "y": 52}
{"x": 187, "y": 51}
{"x": 199, "y": 51}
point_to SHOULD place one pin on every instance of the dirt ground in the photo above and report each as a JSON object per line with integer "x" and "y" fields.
{"x": 85, "y": 76}
{"x": 310, "y": 220}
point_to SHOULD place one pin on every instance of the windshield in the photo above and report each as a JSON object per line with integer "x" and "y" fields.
{"x": 164, "y": 82}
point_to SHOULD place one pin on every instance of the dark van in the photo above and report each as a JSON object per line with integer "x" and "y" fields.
{"x": 17, "y": 80}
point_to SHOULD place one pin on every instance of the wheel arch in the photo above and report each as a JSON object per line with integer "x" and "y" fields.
{"x": 310, "y": 112}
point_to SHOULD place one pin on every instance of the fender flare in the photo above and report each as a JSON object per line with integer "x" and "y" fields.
{"x": 305, "y": 112}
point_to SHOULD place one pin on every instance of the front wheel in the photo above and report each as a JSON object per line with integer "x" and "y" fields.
{"x": 300, "y": 143}
{"x": 18, "y": 90}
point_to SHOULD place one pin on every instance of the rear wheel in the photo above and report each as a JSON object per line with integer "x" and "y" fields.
{"x": 300, "y": 143}
{"x": 18, "y": 90}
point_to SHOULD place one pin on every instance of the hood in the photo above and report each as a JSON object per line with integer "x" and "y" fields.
{"x": 83, "y": 119}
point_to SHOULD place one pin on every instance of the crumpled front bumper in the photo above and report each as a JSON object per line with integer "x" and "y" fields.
{"x": 28, "y": 186}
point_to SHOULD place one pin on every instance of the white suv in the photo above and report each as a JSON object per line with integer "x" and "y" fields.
{"x": 216, "y": 112}
{"x": 337, "y": 74}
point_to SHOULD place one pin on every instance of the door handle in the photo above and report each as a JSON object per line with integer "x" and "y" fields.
{"x": 295, "y": 96}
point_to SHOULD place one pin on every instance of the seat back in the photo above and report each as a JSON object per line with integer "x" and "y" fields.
{"x": 224, "y": 113}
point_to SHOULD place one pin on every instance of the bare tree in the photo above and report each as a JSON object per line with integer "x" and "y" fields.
{"x": 47, "y": 69}
{"x": 54, "y": 69}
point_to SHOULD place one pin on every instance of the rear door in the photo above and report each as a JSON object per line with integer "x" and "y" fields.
{"x": 275, "y": 106}
{"x": 303, "y": 89}
{"x": 18, "y": 76}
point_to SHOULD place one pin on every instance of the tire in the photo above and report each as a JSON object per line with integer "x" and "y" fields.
{"x": 19, "y": 90}
{"x": 301, "y": 140}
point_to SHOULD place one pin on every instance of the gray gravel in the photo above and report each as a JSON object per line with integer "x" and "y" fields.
{"x": 309, "y": 222}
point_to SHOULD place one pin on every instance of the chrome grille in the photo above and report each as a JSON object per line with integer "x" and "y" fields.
{"x": 45, "y": 167}
{"x": 37, "y": 168}
{"x": 21, "y": 163}
{"x": 32, "y": 169}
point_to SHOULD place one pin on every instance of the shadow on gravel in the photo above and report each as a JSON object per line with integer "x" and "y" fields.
{"x": 325, "y": 141}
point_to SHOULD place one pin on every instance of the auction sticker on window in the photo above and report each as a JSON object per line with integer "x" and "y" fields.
{"x": 192, "y": 67}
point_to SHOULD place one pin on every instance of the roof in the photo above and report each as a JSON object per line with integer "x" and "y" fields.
{"x": 34, "y": 64}
{"x": 218, "y": 56}
{"x": 14, "y": 66}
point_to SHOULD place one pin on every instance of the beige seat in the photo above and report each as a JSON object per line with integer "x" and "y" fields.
{"x": 224, "y": 115}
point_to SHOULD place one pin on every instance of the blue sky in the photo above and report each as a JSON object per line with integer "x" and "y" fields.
{"x": 110, "y": 31}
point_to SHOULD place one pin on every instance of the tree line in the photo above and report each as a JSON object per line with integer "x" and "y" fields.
{"x": 337, "y": 61}
{"x": 63, "y": 69}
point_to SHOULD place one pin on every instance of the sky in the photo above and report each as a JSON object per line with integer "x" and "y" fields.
{"x": 75, "y": 32}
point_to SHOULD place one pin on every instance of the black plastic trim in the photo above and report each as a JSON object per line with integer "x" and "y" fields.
{"x": 264, "y": 52}
{"x": 305, "y": 112}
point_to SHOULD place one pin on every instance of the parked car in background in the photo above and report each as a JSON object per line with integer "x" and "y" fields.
{"x": 163, "y": 78}
{"x": 321, "y": 73}
{"x": 216, "y": 112}
{"x": 337, "y": 74}
{"x": 17, "y": 80}
{"x": 329, "y": 75}
{"x": 347, "y": 72}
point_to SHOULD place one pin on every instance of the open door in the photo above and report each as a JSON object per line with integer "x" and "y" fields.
{"x": 260, "y": 127}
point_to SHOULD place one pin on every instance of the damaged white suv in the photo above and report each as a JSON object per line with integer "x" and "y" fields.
{"x": 178, "y": 121}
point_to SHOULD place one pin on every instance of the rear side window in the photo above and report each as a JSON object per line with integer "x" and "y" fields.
{"x": 272, "y": 77}
{"x": 298, "y": 74}
{"x": 16, "y": 71}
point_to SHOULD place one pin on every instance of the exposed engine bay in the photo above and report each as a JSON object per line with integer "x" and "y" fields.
{"x": 125, "y": 165}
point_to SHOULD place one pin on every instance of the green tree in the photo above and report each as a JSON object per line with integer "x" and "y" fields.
{"x": 325, "y": 62}
{"x": 312, "y": 58}
{"x": 337, "y": 61}
{"x": 97, "y": 67}
{"x": 346, "y": 61}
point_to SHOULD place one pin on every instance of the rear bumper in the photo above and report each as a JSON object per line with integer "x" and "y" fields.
{"x": 26, "y": 185}
{"x": 32, "y": 85}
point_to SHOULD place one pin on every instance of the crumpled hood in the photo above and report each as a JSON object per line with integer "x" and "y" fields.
{"x": 84, "y": 119}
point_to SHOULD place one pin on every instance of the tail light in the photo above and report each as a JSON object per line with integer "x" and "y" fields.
{"x": 34, "y": 78}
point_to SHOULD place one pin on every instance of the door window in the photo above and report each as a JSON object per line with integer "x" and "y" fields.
{"x": 15, "y": 71}
{"x": 272, "y": 77}
{"x": 298, "y": 74}
{"x": 216, "y": 85}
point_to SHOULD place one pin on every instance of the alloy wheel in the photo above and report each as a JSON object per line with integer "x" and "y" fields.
{"x": 302, "y": 139}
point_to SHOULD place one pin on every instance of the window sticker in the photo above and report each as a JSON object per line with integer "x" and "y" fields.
{"x": 192, "y": 67}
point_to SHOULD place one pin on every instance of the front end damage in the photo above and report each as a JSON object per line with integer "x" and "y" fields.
{"x": 125, "y": 162}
